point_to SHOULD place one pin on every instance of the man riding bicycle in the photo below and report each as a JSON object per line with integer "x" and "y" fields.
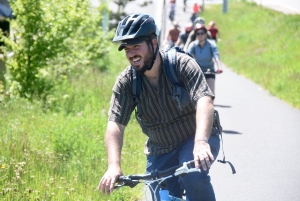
{"x": 174, "y": 135}
{"x": 172, "y": 36}
{"x": 183, "y": 36}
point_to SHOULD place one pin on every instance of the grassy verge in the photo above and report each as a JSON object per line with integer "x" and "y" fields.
{"x": 61, "y": 155}
{"x": 262, "y": 45}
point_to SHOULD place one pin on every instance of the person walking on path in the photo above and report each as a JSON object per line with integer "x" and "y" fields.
{"x": 204, "y": 51}
{"x": 174, "y": 135}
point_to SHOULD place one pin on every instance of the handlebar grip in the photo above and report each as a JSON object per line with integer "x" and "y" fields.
{"x": 191, "y": 164}
{"x": 126, "y": 181}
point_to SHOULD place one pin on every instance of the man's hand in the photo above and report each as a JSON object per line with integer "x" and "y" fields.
{"x": 109, "y": 179}
{"x": 202, "y": 154}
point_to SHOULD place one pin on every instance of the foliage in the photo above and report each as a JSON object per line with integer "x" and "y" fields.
{"x": 122, "y": 4}
{"x": 52, "y": 40}
{"x": 61, "y": 155}
{"x": 262, "y": 45}
{"x": 117, "y": 16}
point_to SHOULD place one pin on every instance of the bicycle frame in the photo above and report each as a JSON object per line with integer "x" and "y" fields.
{"x": 158, "y": 176}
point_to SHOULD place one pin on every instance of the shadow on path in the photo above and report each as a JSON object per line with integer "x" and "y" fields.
{"x": 223, "y": 106}
{"x": 231, "y": 132}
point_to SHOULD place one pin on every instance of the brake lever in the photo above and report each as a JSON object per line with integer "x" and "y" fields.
{"x": 119, "y": 186}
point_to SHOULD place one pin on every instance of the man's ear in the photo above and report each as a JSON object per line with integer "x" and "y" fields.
{"x": 155, "y": 43}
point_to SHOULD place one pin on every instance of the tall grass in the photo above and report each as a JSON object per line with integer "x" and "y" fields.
{"x": 261, "y": 44}
{"x": 60, "y": 154}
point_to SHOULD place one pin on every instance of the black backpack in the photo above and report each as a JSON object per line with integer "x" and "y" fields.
{"x": 180, "y": 93}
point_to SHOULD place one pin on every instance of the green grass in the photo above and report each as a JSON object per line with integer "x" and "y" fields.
{"x": 60, "y": 154}
{"x": 262, "y": 45}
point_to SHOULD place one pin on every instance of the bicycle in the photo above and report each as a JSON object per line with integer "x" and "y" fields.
{"x": 160, "y": 177}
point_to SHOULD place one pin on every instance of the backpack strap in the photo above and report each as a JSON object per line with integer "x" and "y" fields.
{"x": 170, "y": 63}
{"x": 136, "y": 84}
{"x": 170, "y": 56}
{"x": 180, "y": 94}
{"x": 219, "y": 127}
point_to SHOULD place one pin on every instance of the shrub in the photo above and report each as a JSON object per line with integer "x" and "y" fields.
{"x": 52, "y": 41}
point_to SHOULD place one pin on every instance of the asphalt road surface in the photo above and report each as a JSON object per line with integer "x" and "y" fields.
{"x": 261, "y": 134}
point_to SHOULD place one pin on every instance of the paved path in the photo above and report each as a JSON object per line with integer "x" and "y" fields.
{"x": 261, "y": 138}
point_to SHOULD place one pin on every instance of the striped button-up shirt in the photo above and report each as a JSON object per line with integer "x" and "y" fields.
{"x": 165, "y": 123}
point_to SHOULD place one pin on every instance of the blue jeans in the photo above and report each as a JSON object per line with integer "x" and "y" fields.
{"x": 197, "y": 184}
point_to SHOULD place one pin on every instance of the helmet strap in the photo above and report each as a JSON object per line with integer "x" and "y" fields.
{"x": 154, "y": 54}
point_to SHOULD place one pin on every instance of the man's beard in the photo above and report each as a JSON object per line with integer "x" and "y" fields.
{"x": 147, "y": 62}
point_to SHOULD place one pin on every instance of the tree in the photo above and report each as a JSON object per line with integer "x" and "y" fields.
{"x": 52, "y": 39}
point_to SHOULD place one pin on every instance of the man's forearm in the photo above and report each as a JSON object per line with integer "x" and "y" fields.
{"x": 204, "y": 118}
{"x": 114, "y": 142}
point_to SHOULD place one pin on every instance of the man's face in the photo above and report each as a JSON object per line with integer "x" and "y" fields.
{"x": 140, "y": 56}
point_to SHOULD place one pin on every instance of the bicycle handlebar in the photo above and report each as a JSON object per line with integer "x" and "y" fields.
{"x": 209, "y": 71}
{"x": 179, "y": 170}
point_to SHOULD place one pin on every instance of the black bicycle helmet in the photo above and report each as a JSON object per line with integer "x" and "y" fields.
{"x": 135, "y": 26}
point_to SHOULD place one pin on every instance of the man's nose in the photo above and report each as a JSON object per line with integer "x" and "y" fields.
{"x": 130, "y": 53}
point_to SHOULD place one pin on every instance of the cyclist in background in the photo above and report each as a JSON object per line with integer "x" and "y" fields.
{"x": 184, "y": 5}
{"x": 174, "y": 135}
{"x": 172, "y": 5}
{"x": 192, "y": 35}
{"x": 204, "y": 51}
{"x": 195, "y": 12}
{"x": 214, "y": 31}
{"x": 183, "y": 36}
{"x": 172, "y": 36}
